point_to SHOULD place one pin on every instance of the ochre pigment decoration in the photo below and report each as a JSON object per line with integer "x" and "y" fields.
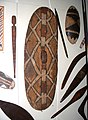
{"x": 72, "y": 25}
{"x": 40, "y": 61}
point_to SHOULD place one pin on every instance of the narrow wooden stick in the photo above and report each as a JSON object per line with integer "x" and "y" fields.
{"x": 14, "y": 43}
{"x": 1, "y": 28}
{"x": 65, "y": 49}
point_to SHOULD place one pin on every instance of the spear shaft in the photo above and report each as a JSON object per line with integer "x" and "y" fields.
{"x": 58, "y": 21}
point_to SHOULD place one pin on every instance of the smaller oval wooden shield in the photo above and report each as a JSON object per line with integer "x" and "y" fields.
{"x": 72, "y": 25}
{"x": 40, "y": 58}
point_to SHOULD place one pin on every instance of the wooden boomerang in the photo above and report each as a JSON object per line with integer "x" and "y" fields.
{"x": 15, "y": 112}
{"x": 72, "y": 65}
{"x": 76, "y": 81}
{"x": 76, "y": 97}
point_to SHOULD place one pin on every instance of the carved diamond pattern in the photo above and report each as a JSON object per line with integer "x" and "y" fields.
{"x": 30, "y": 72}
{"x": 32, "y": 42}
{"x": 33, "y": 62}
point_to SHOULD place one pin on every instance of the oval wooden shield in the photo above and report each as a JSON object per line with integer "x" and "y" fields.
{"x": 40, "y": 58}
{"x": 72, "y": 25}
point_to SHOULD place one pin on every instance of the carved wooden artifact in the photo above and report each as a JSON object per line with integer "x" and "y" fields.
{"x": 40, "y": 58}
{"x": 15, "y": 112}
{"x": 6, "y": 81}
{"x": 14, "y": 42}
{"x": 1, "y": 27}
{"x": 76, "y": 97}
{"x": 72, "y": 25}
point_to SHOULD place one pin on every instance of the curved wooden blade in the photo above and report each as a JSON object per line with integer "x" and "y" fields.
{"x": 76, "y": 97}
{"x": 81, "y": 108}
{"x": 76, "y": 81}
{"x": 15, "y": 112}
{"x": 72, "y": 65}
{"x": 6, "y": 81}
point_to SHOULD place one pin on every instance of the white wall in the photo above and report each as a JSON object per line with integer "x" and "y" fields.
{"x": 73, "y": 50}
{"x": 23, "y": 11}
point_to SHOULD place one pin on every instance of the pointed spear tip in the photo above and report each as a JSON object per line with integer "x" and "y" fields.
{"x": 55, "y": 11}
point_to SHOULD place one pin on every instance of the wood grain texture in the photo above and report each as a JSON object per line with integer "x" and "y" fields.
{"x": 14, "y": 43}
{"x": 1, "y": 27}
{"x": 40, "y": 58}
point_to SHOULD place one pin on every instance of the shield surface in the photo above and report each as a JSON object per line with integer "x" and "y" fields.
{"x": 40, "y": 58}
{"x": 72, "y": 25}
